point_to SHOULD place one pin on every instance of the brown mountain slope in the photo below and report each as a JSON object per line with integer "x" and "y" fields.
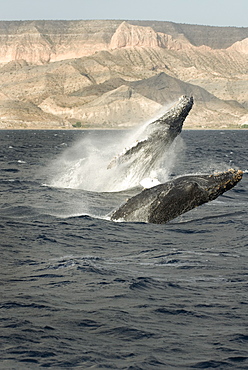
{"x": 114, "y": 73}
{"x": 212, "y": 36}
{"x": 128, "y": 102}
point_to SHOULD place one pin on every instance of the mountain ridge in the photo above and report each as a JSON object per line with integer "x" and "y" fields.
{"x": 68, "y": 70}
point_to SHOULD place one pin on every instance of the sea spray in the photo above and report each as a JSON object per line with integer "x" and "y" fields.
{"x": 113, "y": 164}
{"x": 85, "y": 165}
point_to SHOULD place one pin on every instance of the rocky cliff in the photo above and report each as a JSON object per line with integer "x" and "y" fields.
{"x": 118, "y": 73}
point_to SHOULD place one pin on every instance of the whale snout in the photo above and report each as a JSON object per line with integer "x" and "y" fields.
{"x": 223, "y": 181}
{"x": 230, "y": 176}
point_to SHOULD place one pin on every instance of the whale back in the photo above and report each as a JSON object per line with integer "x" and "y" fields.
{"x": 167, "y": 201}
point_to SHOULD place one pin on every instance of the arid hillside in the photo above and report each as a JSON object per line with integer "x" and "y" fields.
{"x": 64, "y": 74}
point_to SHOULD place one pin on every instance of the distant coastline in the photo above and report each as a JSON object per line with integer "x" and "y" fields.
{"x": 238, "y": 128}
{"x": 95, "y": 74}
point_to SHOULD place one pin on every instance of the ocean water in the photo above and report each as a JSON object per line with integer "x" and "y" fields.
{"x": 79, "y": 291}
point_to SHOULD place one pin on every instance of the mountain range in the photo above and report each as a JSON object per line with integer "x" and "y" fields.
{"x": 117, "y": 74}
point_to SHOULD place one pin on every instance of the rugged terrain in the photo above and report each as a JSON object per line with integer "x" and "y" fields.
{"x": 64, "y": 74}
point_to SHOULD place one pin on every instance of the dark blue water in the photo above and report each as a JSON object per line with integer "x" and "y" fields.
{"x": 82, "y": 292}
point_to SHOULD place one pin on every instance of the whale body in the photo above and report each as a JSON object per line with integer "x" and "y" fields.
{"x": 165, "y": 202}
{"x": 141, "y": 158}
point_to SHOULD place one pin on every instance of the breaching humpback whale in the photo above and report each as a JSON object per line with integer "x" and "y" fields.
{"x": 165, "y": 202}
{"x": 143, "y": 156}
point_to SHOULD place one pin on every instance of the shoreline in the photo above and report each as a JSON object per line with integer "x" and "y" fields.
{"x": 115, "y": 129}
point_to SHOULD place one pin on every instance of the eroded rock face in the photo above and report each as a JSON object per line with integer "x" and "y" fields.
{"x": 240, "y": 46}
{"x": 128, "y": 35}
{"x": 121, "y": 107}
{"x": 117, "y": 74}
{"x": 18, "y": 114}
{"x": 40, "y": 42}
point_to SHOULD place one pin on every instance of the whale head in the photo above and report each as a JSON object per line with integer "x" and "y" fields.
{"x": 219, "y": 183}
{"x": 175, "y": 116}
{"x": 146, "y": 152}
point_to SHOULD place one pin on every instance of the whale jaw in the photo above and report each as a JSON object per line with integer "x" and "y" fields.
{"x": 167, "y": 201}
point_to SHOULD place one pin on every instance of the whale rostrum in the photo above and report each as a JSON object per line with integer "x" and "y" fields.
{"x": 167, "y": 201}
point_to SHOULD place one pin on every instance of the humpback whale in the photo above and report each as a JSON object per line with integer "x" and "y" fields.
{"x": 165, "y": 202}
{"x": 145, "y": 155}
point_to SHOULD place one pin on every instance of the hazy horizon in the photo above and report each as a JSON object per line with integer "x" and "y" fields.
{"x": 207, "y": 12}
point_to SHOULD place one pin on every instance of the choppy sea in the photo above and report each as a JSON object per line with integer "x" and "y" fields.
{"x": 78, "y": 291}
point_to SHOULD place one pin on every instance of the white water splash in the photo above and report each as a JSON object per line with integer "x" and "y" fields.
{"x": 89, "y": 171}
{"x": 85, "y": 165}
